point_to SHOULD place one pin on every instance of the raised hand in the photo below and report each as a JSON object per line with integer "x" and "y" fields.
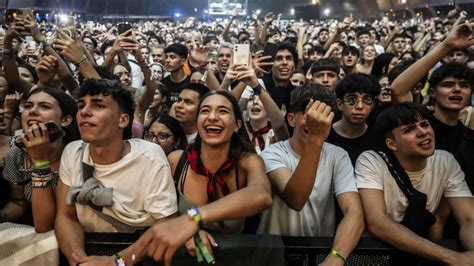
{"x": 460, "y": 37}
{"x": 47, "y": 68}
{"x": 318, "y": 118}
{"x": 254, "y": 15}
{"x": 36, "y": 140}
{"x": 259, "y": 62}
{"x": 247, "y": 75}
{"x": 11, "y": 102}
{"x": 269, "y": 17}
{"x": 70, "y": 48}
{"x": 198, "y": 53}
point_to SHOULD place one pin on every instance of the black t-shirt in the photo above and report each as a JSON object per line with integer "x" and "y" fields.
{"x": 175, "y": 88}
{"x": 281, "y": 95}
{"x": 353, "y": 146}
{"x": 458, "y": 140}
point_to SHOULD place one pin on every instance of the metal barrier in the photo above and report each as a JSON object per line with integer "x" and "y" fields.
{"x": 259, "y": 250}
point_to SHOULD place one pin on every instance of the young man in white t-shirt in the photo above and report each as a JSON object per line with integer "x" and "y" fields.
{"x": 410, "y": 138}
{"x": 137, "y": 170}
{"x": 306, "y": 173}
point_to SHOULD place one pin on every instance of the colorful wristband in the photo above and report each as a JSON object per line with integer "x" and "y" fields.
{"x": 202, "y": 253}
{"x": 118, "y": 260}
{"x": 194, "y": 214}
{"x": 40, "y": 184}
{"x": 258, "y": 89}
{"x": 41, "y": 164}
{"x": 338, "y": 255}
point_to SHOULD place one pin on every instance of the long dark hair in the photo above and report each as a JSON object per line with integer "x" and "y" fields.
{"x": 68, "y": 107}
{"x": 173, "y": 125}
{"x": 239, "y": 143}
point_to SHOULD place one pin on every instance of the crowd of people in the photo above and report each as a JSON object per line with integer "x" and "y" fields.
{"x": 344, "y": 129}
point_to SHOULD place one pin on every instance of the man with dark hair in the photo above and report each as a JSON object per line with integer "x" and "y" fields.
{"x": 157, "y": 54}
{"x": 186, "y": 108}
{"x": 399, "y": 43}
{"x": 407, "y": 161}
{"x": 323, "y": 36}
{"x": 306, "y": 172}
{"x": 356, "y": 96}
{"x": 451, "y": 88}
{"x": 278, "y": 82}
{"x": 316, "y": 52}
{"x": 176, "y": 55}
{"x": 100, "y": 174}
{"x": 325, "y": 71}
{"x": 350, "y": 57}
{"x": 459, "y": 56}
{"x": 225, "y": 55}
{"x": 363, "y": 38}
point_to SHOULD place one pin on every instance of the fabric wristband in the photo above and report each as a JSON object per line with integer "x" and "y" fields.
{"x": 338, "y": 255}
{"x": 40, "y": 184}
{"x": 195, "y": 215}
{"x": 202, "y": 253}
{"x": 258, "y": 89}
{"x": 41, "y": 164}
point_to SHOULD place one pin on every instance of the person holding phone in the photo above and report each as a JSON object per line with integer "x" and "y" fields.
{"x": 33, "y": 170}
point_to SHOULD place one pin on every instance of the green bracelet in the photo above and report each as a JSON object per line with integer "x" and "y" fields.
{"x": 338, "y": 255}
{"x": 41, "y": 164}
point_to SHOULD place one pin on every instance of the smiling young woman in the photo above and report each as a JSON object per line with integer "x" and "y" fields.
{"x": 215, "y": 175}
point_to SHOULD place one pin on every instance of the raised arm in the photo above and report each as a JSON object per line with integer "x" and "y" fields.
{"x": 9, "y": 63}
{"x": 247, "y": 75}
{"x": 225, "y": 33}
{"x": 266, "y": 24}
{"x": 150, "y": 87}
{"x": 294, "y": 188}
{"x": 341, "y": 27}
{"x": 458, "y": 38}
{"x": 72, "y": 51}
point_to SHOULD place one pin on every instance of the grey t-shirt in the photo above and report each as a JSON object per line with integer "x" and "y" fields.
{"x": 335, "y": 175}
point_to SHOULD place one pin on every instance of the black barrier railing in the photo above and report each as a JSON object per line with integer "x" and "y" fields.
{"x": 241, "y": 250}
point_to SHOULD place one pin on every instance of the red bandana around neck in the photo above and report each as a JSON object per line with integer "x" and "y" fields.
{"x": 194, "y": 158}
{"x": 258, "y": 134}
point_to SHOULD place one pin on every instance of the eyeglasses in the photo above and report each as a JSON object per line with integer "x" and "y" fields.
{"x": 161, "y": 136}
{"x": 354, "y": 101}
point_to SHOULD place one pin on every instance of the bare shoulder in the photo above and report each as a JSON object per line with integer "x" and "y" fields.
{"x": 173, "y": 159}
{"x": 250, "y": 160}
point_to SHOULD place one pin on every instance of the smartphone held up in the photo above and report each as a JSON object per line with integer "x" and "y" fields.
{"x": 54, "y": 133}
